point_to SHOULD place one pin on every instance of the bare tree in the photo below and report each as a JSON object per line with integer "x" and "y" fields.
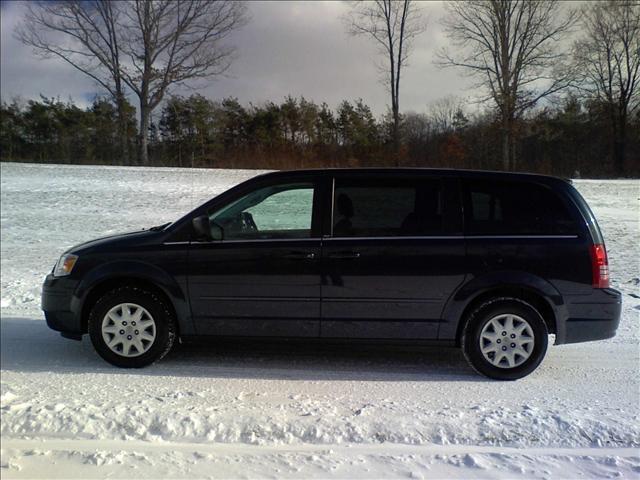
{"x": 393, "y": 24}
{"x": 444, "y": 112}
{"x": 512, "y": 47}
{"x": 608, "y": 61}
{"x": 169, "y": 42}
{"x": 417, "y": 129}
{"x": 157, "y": 43}
{"x": 83, "y": 34}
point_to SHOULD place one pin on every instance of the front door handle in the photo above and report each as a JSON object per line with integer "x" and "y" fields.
{"x": 300, "y": 255}
{"x": 346, "y": 254}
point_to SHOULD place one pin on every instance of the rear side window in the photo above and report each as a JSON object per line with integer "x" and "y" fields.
{"x": 387, "y": 207}
{"x": 515, "y": 208}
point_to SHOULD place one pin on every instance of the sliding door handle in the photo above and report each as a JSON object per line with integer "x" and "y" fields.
{"x": 300, "y": 255}
{"x": 345, "y": 255}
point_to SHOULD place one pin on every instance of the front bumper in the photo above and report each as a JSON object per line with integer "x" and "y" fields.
{"x": 60, "y": 306}
{"x": 592, "y": 317}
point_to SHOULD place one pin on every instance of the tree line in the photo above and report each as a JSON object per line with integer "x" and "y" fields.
{"x": 545, "y": 73}
{"x": 568, "y": 137}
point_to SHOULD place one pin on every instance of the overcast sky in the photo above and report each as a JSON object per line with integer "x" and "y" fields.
{"x": 296, "y": 48}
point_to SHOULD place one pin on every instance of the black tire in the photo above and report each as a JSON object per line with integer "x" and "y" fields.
{"x": 165, "y": 326}
{"x": 482, "y": 315}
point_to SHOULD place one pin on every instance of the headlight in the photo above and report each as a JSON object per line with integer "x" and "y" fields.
{"x": 65, "y": 265}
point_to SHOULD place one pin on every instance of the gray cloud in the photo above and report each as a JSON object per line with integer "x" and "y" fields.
{"x": 296, "y": 48}
{"x": 24, "y": 75}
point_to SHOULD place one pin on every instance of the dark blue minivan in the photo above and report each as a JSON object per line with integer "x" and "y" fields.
{"x": 490, "y": 262}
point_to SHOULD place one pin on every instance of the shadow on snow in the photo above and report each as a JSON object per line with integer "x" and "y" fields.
{"x": 28, "y": 345}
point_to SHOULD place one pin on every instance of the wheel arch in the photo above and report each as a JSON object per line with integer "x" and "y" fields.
{"x": 137, "y": 274}
{"x": 531, "y": 289}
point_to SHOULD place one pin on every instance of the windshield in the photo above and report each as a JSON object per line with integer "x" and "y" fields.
{"x": 159, "y": 228}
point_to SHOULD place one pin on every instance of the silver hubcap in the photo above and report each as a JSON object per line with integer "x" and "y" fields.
{"x": 506, "y": 341}
{"x": 128, "y": 329}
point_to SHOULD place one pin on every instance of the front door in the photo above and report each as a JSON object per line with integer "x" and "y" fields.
{"x": 262, "y": 277}
{"x": 393, "y": 256}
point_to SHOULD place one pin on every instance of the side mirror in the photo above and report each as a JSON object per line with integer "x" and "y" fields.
{"x": 201, "y": 228}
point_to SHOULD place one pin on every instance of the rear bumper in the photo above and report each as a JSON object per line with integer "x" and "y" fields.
{"x": 60, "y": 306}
{"x": 592, "y": 317}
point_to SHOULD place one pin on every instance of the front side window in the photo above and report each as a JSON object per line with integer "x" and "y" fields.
{"x": 273, "y": 212}
{"x": 387, "y": 208}
{"x": 515, "y": 208}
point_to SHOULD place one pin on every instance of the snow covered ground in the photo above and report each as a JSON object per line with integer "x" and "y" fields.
{"x": 240, "y": 410}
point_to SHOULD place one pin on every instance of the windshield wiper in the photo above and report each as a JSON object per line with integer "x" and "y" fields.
{"x": 158, "y": 228}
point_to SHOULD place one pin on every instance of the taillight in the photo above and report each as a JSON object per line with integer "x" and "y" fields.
{"x": 599, "y": 266}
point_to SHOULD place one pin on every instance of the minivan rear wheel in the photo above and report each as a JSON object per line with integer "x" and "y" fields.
{"x": 131, "y": 327}
{"x": 505, "y": 339}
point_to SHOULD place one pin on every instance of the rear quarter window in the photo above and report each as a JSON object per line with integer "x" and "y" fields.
{"x": 494, "y": 207}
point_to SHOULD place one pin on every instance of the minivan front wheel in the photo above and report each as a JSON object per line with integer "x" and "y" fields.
{"x": 131, "y": 327}
{"x": 128, "y": 329}
{"x": 505, "y": 339}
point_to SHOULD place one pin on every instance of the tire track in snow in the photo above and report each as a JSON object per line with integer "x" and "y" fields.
{"x": 351, "y": 448}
